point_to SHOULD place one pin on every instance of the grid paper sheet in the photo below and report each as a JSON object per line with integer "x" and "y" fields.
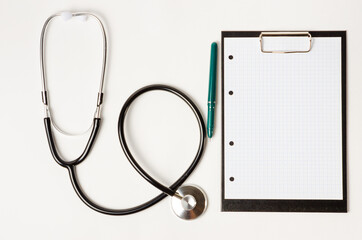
{"x": 282, "y": 121}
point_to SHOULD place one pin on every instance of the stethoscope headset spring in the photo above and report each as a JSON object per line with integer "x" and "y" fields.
{"x": 188, "y": 202}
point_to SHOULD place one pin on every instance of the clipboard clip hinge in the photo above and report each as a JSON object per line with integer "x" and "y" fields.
{"x": 285, "y": 34}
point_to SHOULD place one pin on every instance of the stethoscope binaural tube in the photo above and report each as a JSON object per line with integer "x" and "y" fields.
{"x": 44, "y": 93}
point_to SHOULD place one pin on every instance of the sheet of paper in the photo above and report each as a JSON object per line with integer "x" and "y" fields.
{"x": 282, "y": 121}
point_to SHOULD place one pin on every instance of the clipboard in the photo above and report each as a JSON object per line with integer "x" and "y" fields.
{"x": 284, "y": 121}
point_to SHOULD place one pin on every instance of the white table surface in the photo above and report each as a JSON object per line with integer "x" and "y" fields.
{"x": 149, "y": 42}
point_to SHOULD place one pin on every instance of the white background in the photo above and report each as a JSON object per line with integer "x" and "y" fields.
{"x": 150, "y": 42}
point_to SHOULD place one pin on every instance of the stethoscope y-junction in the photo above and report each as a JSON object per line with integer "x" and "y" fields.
{"x": 188, "y": 202}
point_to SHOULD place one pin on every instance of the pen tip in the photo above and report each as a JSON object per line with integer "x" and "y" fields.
{"x": 209, "y": 133}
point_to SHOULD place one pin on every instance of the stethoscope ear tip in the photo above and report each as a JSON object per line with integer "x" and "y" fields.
{"x": 79, "y": 16}
{"x": 192, "y": 204}
{"x": 82, "y": 18}
{"x": 66, "y": 15}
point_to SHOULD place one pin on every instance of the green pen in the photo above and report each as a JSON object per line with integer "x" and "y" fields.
{"x": 212, "y": 90}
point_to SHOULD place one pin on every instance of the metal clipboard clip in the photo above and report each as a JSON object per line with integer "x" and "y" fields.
{"x": 285, "y": 34}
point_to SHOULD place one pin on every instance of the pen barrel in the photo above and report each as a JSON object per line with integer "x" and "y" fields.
{"x": 212, "y": 76}
{"x": 212, "y": 90}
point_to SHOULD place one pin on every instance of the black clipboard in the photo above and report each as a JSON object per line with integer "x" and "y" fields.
{"x": 288, "y": 205}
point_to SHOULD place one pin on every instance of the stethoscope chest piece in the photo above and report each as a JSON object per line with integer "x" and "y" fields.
{"x": 190, "y": 202}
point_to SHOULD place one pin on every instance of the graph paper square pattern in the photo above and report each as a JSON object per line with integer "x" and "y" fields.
{"x": 282, "y": 120}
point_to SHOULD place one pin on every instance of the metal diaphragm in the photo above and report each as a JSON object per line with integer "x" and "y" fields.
{"x": 192, "y": 204}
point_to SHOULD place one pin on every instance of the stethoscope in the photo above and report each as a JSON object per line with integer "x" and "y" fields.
{"x": 188, "y": 202}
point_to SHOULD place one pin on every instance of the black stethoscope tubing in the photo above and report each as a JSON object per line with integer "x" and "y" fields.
{"x": 171, "y": 191}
